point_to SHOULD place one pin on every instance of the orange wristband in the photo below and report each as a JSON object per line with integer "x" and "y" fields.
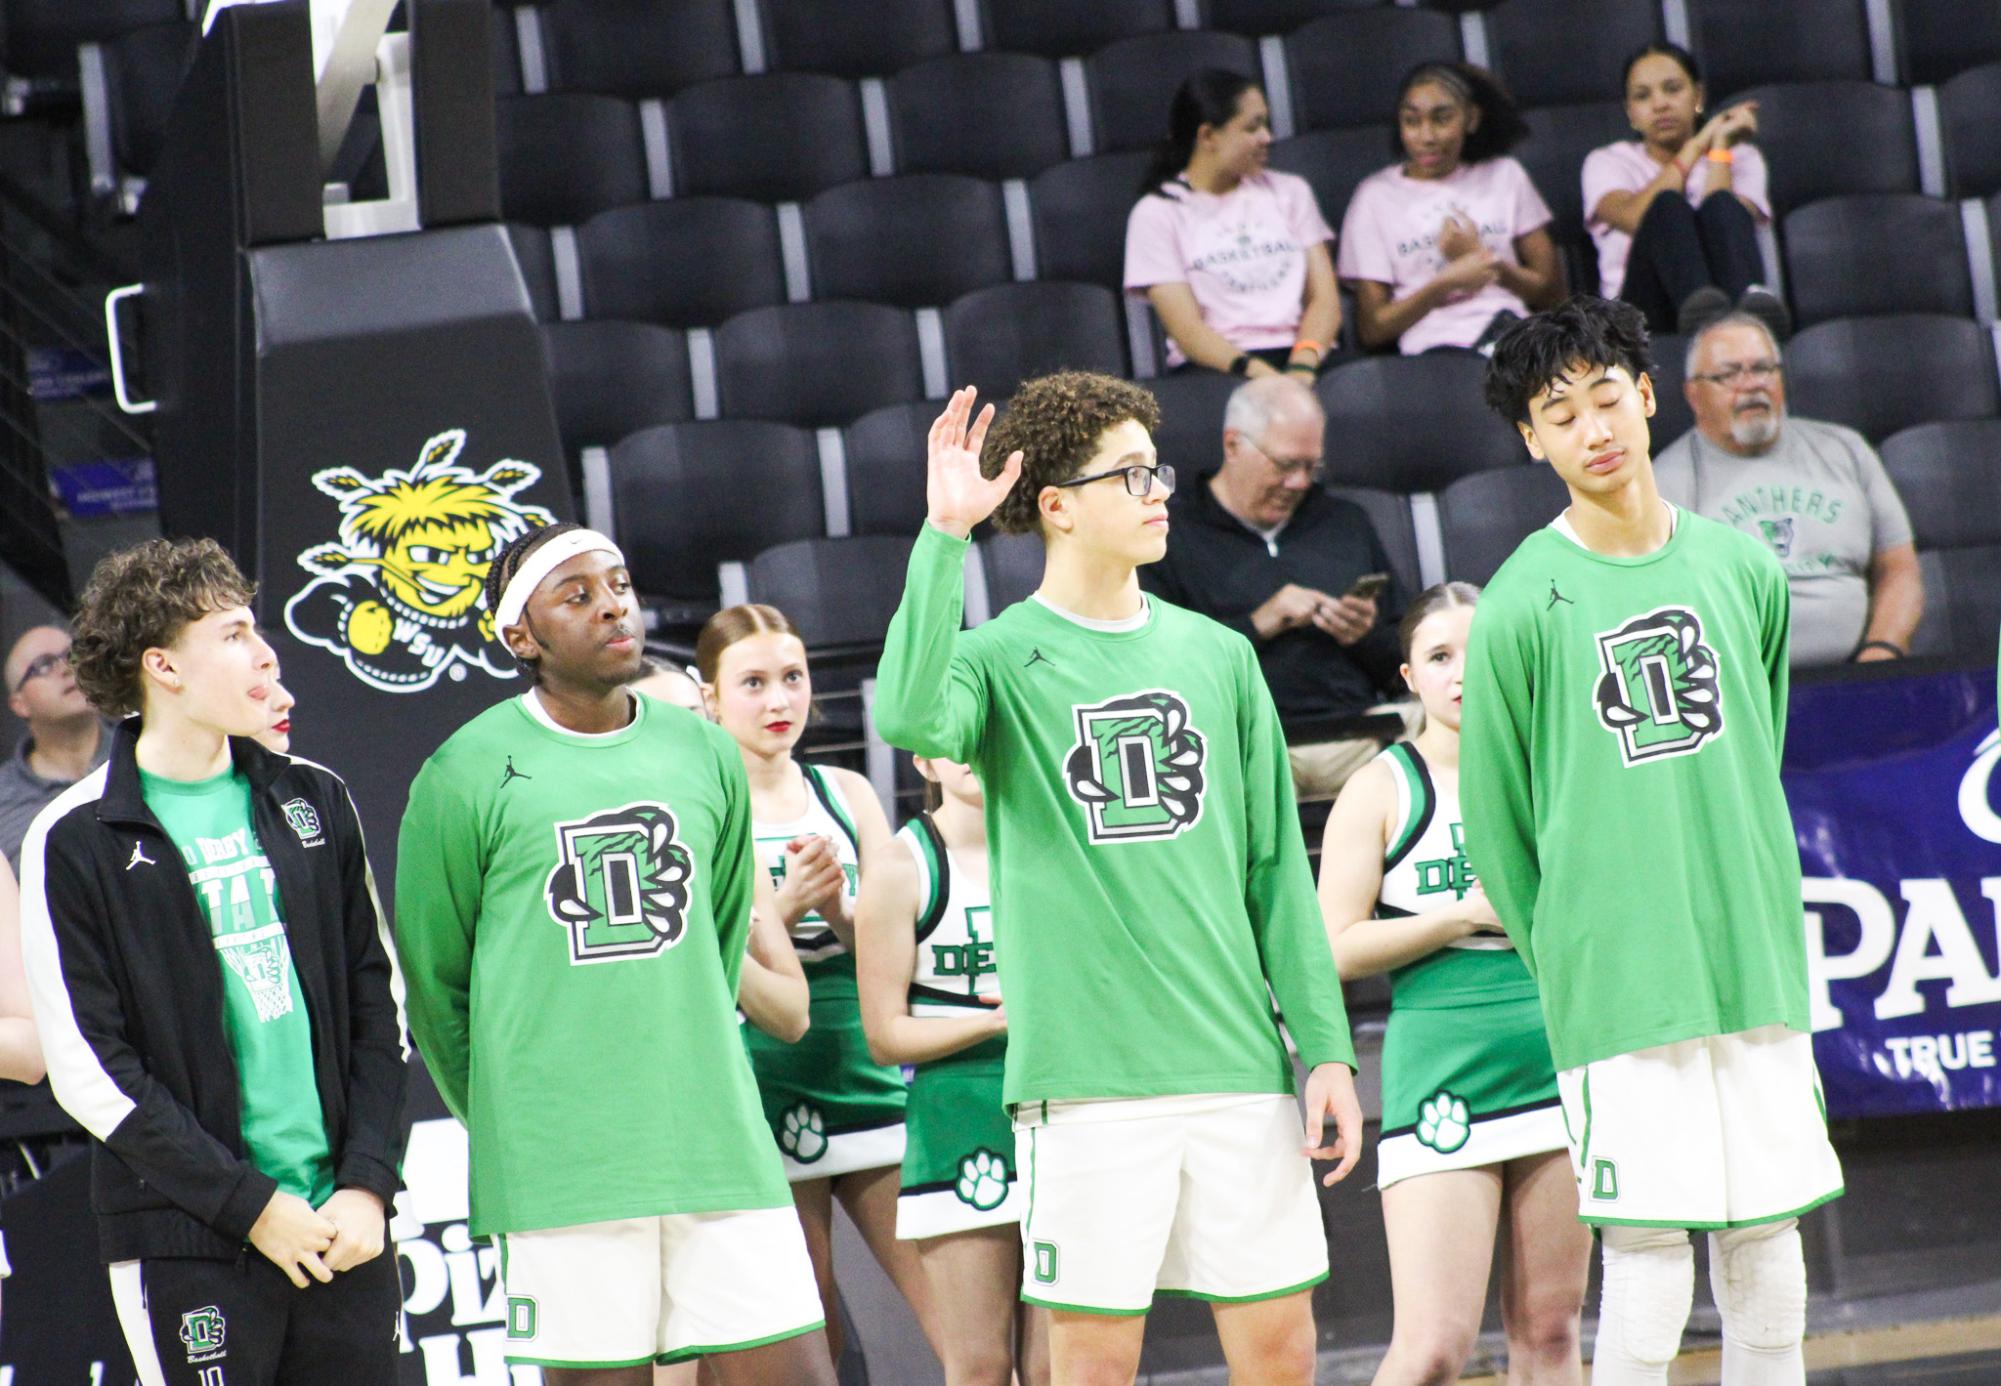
{"x": 1311, "y": 345}
{"x": 1721, "y": 156}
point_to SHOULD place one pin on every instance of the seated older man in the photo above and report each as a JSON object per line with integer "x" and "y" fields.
{"x": 1816, "y": 492}
{"x": 1258, "y": 545}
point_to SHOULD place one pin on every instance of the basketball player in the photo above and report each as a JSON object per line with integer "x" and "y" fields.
{"x": 1151, "y": 893}
{"x": 1625, "y": 705}
{"x": 216, "y": 1000}
{"x": 580, "y": 859}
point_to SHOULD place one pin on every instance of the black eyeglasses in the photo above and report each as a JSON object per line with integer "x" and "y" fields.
{"x": 1139, "y": 479}
{"x": 43, "y": 664}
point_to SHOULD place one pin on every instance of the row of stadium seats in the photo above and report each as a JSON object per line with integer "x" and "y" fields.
{"x": 643, "y": 46}
{"x": 787, "y": 136}
{"x": 637, "y": 49}
{"x": 920, "y": 240}
{"x": 828, "y": 363}
{"x": 1011, "y": 115}
{"x": 842, "y": 589}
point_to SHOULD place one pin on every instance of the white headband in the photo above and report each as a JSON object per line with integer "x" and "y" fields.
{"x": 539, "y": 564}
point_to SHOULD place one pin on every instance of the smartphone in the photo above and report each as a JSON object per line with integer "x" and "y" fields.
{"x": 1369, "y": 586}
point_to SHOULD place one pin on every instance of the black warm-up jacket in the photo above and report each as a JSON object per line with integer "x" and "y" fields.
{"x": 1221, "y": 568}
{"x": 129, "y": 1001}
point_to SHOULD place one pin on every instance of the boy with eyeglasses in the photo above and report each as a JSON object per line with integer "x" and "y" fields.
{"x": 1151, "y": 892}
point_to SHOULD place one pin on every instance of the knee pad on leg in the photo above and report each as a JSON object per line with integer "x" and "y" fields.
{"x": 1758, "y": 1276}
{"x": 1649, "y": 1286}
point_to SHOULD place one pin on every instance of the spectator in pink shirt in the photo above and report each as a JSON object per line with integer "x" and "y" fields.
{"x": 1449, "y": 246}
{"x": 1675, "y": 213}
{"x": 1232, "y": 255}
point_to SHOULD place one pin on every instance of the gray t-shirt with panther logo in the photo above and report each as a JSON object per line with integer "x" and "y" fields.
{"x": 1821, "y": 499}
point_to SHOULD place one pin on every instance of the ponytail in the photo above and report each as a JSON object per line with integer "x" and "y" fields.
{"x": 1208, "y": 97}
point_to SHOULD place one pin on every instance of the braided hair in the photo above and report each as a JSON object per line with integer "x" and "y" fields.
{"x": 506, "y": 564}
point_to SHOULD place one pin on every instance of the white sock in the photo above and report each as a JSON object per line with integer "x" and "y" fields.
{"x": 1649, "y": 1288}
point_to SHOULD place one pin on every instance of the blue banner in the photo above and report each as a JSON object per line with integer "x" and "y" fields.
{"x": 1892, "y": 785}
{"x": 111, "y": 486}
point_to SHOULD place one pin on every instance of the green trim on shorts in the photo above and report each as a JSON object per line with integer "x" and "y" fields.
{"x": 514, "y": 1361}
{"x": 1248, "y": 1299}
{"x": 1800, "y": 1211}
{"x": 668, "y": 1359}
{"x": 1027, "y": 1298}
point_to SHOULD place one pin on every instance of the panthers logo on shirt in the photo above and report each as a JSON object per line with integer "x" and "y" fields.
{"x": 1779, "y": 534}
{"x": 620, "y": 884}
{"x": 1659, "y": 692}
{"x": 1137, "y": 768}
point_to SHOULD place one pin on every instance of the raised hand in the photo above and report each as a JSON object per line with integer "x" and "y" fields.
{"x": 956, "y": 494}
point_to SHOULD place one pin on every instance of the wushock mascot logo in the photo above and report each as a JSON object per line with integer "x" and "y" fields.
{"x": 400, "y": 598}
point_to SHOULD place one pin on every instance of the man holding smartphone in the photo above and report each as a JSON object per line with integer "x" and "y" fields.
{"x": 1260, "y": 546}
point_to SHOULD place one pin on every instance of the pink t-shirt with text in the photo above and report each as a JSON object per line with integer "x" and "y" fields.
{"x": 1390, "y": 236}
{"x": 1241, "y": 253}
{"x": 1627, "y": 167}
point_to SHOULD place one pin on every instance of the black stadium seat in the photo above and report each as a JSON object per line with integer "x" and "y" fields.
{"x": 1412, "y": 423}
{"x": 639, "y": 47}
{"x": 679, "y": 494}
{"x": 1345, "y": 68}
{"x": 1389, "y": 513}
{"x": 1483, "y": 518}
{"x": 1959, "y": 546}
{"x": 1559, "y": 139}
{"x": 817, "y": 364}
{"x": 1944, "y": 37}
{"x": 840, "y": 593}
{"x": 1742, "y": 43}
{"x": 614, "y": 378}
{"x": 684, "y": 262}
{"x": 780, "y": 136}
{"x": 1079, "y": 210}
{"x": 1133, "y": 81}
{"x": 506, "y": 45}
{"x": 1878, "y": 375}
{"x": 1191, "y": 420}
{"x": 919, "y": 240}
{"x": 1585, "y": 66}
{"x": 538, "y": 269}
{"x": 1821, "y": 139}
{"x": 886, "y": 451}
{"x": 854, "y": 40}
{"x": 1972, "y": 143}
{"x": 1334, "y": 162}
{"x": 1876, "y": 253}
{"x": 564, "y": 158}
{"x": 1672, "y": 416}
{"x": 993, "y": 115}
{"x": 1260, "y": 17}
{"x": 1012, "y": 565}
{"x": 1066, "y": 28}
{"x": 1931, "y": 463}
{"x": 996, "y": 338}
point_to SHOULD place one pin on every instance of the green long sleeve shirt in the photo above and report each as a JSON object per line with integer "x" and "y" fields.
{"x": 1151, "y": 891}
{"x": 572, "y": 913}
{"x": 1621, "y": 730}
